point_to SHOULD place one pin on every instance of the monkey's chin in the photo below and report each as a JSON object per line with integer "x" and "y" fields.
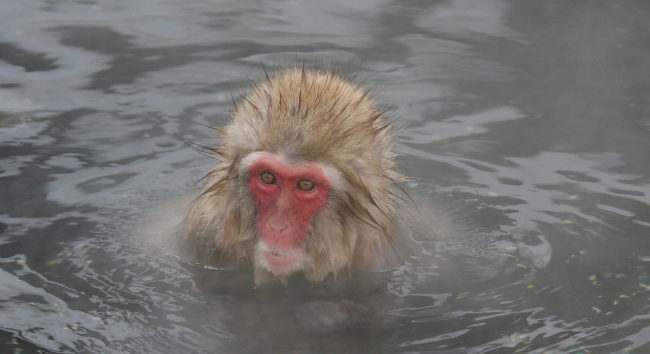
{"x": 280, "y": 262}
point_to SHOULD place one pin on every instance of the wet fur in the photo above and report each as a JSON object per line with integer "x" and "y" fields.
{"x": 306, "y": 116}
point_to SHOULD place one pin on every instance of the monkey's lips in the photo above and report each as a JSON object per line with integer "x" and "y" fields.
{"x": 283, "y": 262}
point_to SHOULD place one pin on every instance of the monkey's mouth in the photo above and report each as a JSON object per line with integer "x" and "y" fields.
{"x": 281, "y": 262}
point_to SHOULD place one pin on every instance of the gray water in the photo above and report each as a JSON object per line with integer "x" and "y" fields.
{"x": 525, "y": 122}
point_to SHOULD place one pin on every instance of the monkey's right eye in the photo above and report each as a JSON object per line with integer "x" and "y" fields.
{"x": 267, "y": 178}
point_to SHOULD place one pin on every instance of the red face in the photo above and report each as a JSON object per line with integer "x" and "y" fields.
{"x": 287, "y": 197}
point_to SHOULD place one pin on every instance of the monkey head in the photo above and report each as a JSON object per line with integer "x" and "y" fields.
{"x": 304, "y": 182}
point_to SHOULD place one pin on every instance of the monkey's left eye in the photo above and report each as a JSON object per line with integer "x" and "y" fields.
{"x": 267, "y": 178}
{"x": 305, "y": 185}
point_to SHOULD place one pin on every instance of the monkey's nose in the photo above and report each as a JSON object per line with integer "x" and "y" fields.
{"x": 278, "y": 226}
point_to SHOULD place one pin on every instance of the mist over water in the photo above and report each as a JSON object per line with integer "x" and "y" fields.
{"x": 525, "y": 123}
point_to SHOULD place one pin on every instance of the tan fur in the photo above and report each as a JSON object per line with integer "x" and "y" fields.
{"x": 307, "y": 116}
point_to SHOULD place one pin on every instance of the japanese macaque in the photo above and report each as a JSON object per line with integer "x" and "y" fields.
{"x": 304, "y": 182}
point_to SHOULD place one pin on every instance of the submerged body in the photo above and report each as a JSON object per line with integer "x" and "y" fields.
{"x": 305, "y": 182}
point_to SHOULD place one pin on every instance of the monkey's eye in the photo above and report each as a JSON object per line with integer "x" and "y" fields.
{"x": 306, "y": 185}
{"x": 267, "y": 178}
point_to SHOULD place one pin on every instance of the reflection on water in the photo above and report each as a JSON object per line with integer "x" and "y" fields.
{"x": 525, "y": 122}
